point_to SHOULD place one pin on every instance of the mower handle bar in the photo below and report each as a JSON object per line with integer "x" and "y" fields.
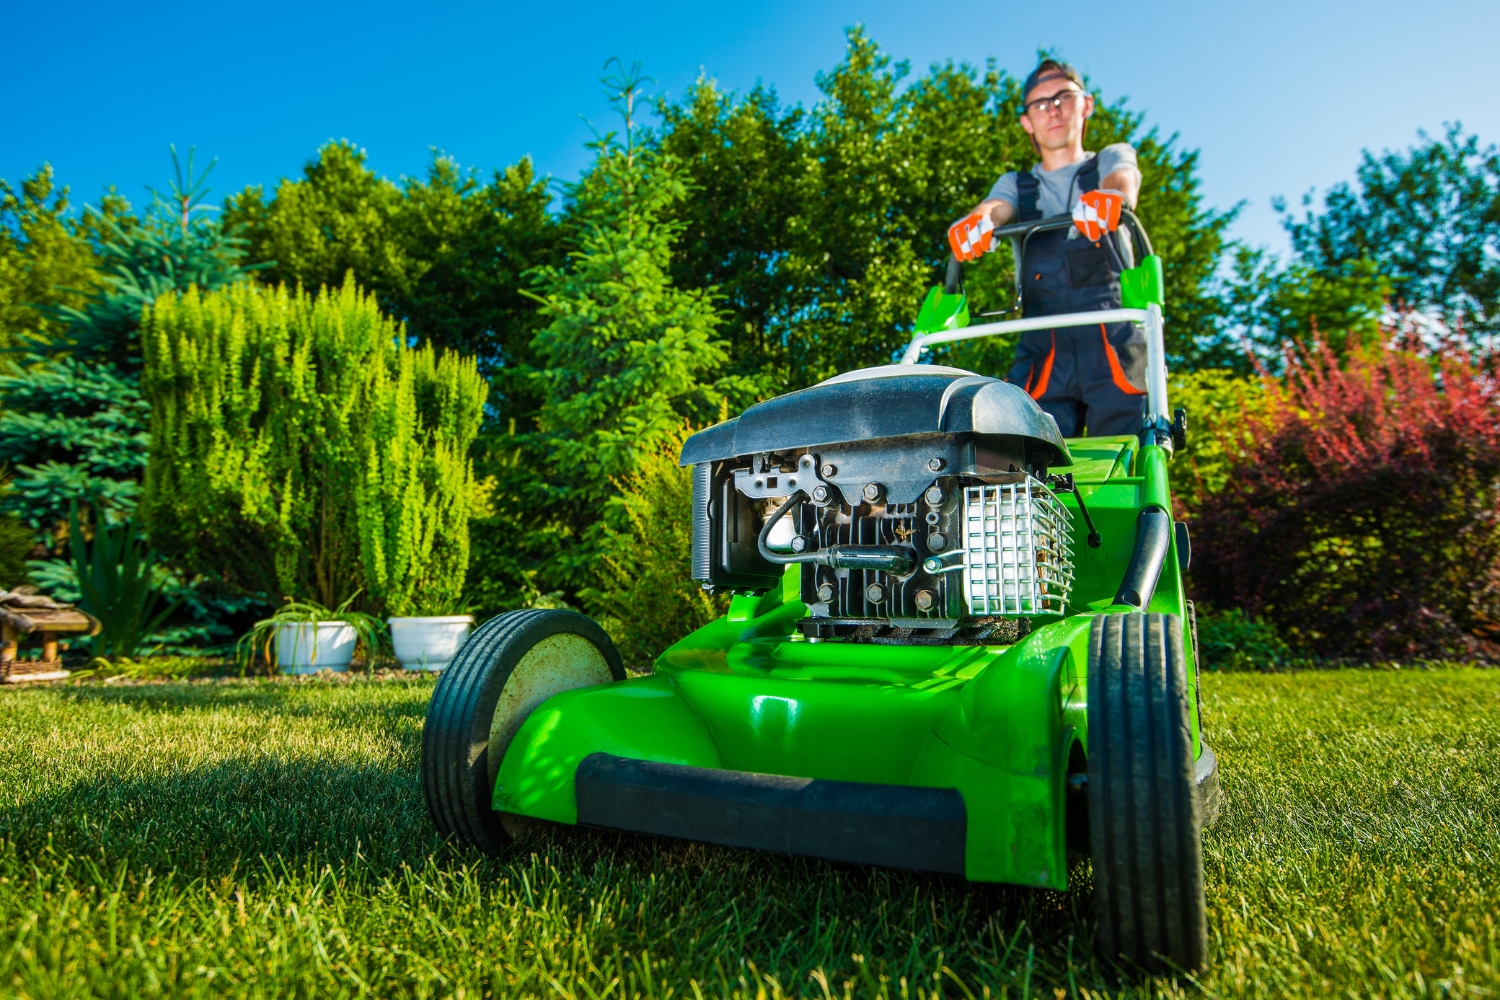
{"x": 1023, "y": 231}
{"x": 1158, "y": 414}
{"x": 1016, "y": 230}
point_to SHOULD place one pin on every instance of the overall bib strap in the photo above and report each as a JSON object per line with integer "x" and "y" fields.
{"x": 1087, "y": 179}
{"x": 1028, "y": 190}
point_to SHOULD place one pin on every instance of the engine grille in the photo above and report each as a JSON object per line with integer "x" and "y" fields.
{"x": 1017, "y": 560}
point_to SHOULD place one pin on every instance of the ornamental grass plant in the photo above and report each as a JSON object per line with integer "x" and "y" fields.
{"x": 256, "y": 650}
{"x": 302, "y": 449}
{"x": 118, "y": 581}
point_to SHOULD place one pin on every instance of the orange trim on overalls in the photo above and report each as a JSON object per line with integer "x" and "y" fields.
{"x": 1115, "y": 371}
{"x": 1041, "y": 384}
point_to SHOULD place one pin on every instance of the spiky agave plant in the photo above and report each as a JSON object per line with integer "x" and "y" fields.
{"x": 116, "y": 581}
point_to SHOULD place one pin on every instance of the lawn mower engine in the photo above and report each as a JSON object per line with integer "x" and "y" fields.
{"x": 914, "y": 499}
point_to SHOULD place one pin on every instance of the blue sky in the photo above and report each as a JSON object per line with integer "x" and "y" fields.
{"x": 1279, "y": 97}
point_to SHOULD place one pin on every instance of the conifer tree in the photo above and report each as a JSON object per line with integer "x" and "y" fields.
{"x": 626, "y": 357}
{"x": 72, "y": 422}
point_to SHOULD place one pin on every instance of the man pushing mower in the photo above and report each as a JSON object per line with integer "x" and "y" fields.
{"x": 1089, "y": 378}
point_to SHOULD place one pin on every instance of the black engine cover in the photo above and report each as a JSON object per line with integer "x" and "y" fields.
{"x": 893, "y": 401}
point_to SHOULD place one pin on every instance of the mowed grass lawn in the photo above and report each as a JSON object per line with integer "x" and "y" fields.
{"x": 268, "y": 839}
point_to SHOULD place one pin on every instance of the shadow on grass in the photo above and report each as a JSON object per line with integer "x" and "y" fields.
{"x": 233, "y": 816}
{"x": 702, "y": 910}
{"x": 270, "y": 817}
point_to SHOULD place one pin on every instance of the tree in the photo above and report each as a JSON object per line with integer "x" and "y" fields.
{"x": 744, "y": 160}
{"x": 1427, "y": 218}
{"x": 72, "y": 420}
{"x": 177, "y": 245}
{"x": 445, "y": 255}
{"x": 339, "y": 217}
{"x": 45, "y": 259}
{"x": 825, "y": 227}
{"x": 1274, "y": 305}
{"x": 301, "y": 448}
{"x": 72, "y": 424}
{"x": 625, "y": 356}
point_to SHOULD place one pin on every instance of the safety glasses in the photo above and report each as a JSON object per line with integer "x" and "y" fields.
{"x": 1060, "y": 103}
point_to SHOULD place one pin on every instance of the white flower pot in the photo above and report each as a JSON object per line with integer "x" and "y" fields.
{"x": 306, "y": 647}
{"x": 428, "y": 643}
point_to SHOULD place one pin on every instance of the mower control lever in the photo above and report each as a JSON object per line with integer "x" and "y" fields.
{"x": 1065, "y": 484}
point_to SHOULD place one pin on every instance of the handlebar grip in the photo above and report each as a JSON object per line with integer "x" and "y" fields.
{"x": 1037, "y": 226}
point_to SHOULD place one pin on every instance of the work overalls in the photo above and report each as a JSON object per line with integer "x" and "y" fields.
{"x": 1093, "y": 376}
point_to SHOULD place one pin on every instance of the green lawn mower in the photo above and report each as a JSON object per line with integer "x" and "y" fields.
{"x": 957, "y": 643}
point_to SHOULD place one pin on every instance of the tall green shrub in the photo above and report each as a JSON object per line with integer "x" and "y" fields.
{"x": 646, "y": 598}
{"x": 300, "y": 448}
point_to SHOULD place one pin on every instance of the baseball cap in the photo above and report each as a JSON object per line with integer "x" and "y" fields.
{"x": 1050, "y": 69}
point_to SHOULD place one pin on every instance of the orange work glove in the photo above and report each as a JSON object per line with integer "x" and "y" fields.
{"x": 1098, "y": 212}
{"x": 971, "y": 237}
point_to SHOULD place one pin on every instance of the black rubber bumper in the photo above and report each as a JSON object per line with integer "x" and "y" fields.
{"x": 895, "y": 826}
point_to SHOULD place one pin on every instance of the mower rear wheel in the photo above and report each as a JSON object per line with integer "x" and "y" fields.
{"x": 503, "y": 671}
{"x": 1144, "y": 822}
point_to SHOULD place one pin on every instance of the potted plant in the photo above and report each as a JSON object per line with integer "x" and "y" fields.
{"x": 428, "y": 642}
{"x": 309, "y": 637}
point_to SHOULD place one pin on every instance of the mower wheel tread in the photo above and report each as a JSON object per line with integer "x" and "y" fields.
{"x": 1144, "y": 822}
{"x": 455, "y": 770}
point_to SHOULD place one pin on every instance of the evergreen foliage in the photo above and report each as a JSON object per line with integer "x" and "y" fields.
{"x": 72, "y": 422}
{"x": 76, "y": 433}
{"x": 625, "y": 356}
{"x": 16, "y": 542}
{"x": 46, "y": 261}
{"x": 177, "y": 246}
{"x": 300, "y": 448}
{"x": 446, "y": 255}
{"x": 15, "y": 545}
{"x": 646, "y": 597}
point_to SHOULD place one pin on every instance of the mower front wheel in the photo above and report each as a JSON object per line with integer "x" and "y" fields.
{"x": 509, "y": 666}
{"x": 1144, "y": 816}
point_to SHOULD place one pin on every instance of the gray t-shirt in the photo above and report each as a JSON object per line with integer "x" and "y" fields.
{"x": 1058, "y": 194}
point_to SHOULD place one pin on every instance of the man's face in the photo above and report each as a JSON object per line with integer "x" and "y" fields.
{"x": 1055, "y": 113}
